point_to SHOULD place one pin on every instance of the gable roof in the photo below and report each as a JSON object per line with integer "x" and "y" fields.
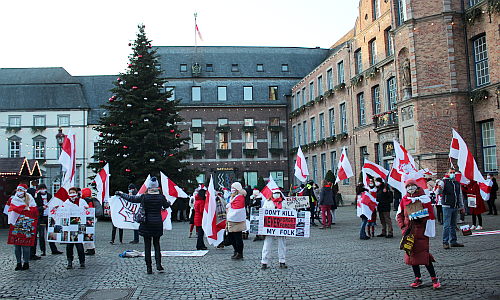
{"x": 96, "y": 91}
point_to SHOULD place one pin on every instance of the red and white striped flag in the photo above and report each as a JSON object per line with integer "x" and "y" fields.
{"x": 426, "y": 171}
{"x": 199, "y": 33}
{"x": 102, "y": 184}
{"x": 301, "y": 170}
{"x": 171, "y": 190}
{"x": 344, "y": 167}
{"x": 213, "y": 230}
{"x": 485, "y": 188}
{"x": 403, "y": 168}
{"x": 466, "y": 162}
{"x": 267, "y": 191}
{"x": 143, "y": 188}
{"x": 460, "y": 178}
{"x": 366, "y": 204}
{"x": 68, "y": 159}
{"x": 375, "y": 170}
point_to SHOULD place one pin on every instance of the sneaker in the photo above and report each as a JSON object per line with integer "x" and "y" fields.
{"x": 90, "y": 252}
{"x": 472, "y": 227}
{"x": 263, "y": 267}
{"x": 160, "y": 268}
{"x": 479, "y": 228}
{"x": 446, "y": 246}
{"x": 457, "y": 245}
{"x": 283, "y": 266}
{"x": 417, "y": 283}
{"x": 82, "y": 266}
{"x": 460, "y": 222}
{"x": 381, "y": 235}
{"x": 435, "y": 283}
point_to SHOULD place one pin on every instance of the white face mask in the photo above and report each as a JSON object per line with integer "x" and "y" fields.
{"x": 256, "y": 193}
{"x": 43, "y": 192}
{"x": 233, "y": 191}
{"x": 73, "y": 197}
{"x": 377, "y": 183}
{"x": 276, "y": 196}
{"x": 411, "y": 189}
{"x": 20, "y": 194}
{"x": 489, "y": 177}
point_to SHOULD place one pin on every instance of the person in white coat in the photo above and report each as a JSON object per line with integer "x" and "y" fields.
{"x": 274, "y": 203}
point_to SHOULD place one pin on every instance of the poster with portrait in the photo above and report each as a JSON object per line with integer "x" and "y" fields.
{"x": 23, "y": 232}
{"x": 284, "y": 222}
{"x": 71, "y": 225}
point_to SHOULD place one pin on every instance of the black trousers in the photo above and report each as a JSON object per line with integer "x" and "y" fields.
{"x": 199, "y": 242}
{"x": 120, "y": 234}
{"x": 439, "y": 209}
{"x": 492, "y": 207}
{"x": 236, "y": 239}
{"x": 147, "y": 249}
{"x": 311, "y": 209}
{"x": 479, "y": 217}
{"x": 430, "y": 268}
{"x": 79, "y": 249}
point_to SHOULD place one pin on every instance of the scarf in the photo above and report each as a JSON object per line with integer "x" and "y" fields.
{"x": 277, "y": 202}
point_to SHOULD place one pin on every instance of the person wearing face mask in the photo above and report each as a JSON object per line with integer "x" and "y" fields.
{"x": 75, "y": 201}
{"x": 256, "y": 202}
{"x": 42, "y": 199}
{"x": 372, "y": 222}
{"x": 384, "y": 199}
{"x": 132, "y": 190}
{"x": 21, "y": 201}
{"x": 236, "y": 219}
{"x": 472, "y": 188}
{"x": 422, "y": 229}
{"x": 493, "y": 196}
{"x": 199, "y": 206}
{"x": 274, "y": 203}
{"x": 452, "y": 203}
{"x": 325, "y": 203}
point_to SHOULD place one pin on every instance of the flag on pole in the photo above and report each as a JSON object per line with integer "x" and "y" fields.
{"x": 102, "y": 184}
{"x": 214, "y": 230}
{"x": 143, "y": 188}
{"x": 403, "y": 168}
{"x": 344, "y": 167}
{"x": 426, "y": 171}
{"x": 171, "y": 190}
{"x": 267, "y": 191}
{"x": 466, "y": 162}
{"x": 67, "y": 159}
{"x": 485, "y": 188}
{"x": 301, "y": 171}
{"x": 375, "y": 170}
{"x": 366, "y": 204}
{"x": 199, "y": 33}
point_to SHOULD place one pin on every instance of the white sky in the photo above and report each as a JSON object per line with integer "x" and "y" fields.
{"x": 91, "y": 37}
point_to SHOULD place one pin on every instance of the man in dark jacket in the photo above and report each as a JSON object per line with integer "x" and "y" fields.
{"x": 309, "y": 192}
{"x": 42, "y": 198}
{"x": 452, "y": 203}
{"x": 248, "y": 201}
{"x": 384, "y": 199}
{"x": 132, "y": 190}
{"x": 325, "y": 202}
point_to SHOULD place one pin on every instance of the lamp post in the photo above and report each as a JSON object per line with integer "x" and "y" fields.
{"x": 60, "y": 140}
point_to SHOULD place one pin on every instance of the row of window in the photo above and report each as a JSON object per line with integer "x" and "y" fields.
{"x": 372, "y": 52}
{"x": 38, "y": 147}
{"x": 234, "y": 68}
{"x": 376, "y": 102}
{"x": 222, "y": 93}
{"x": 39, "y": 121}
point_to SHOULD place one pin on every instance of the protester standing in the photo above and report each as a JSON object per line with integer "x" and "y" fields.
{"x": 199, "y": 206}
{"x": 274, "y": 203}
{"x": 422, "y": 229}
{"x": 236, "y": 219}
{"x": 257, "y": 203}
{"x": 309, "y": 192}
{"x": 452, "y": 202}
{"x": 493, "y": 196}
{"x": 91, "y": 201}
{"x": 473, "y": 189}
{"x": 132, "y": 190}
{"x": 42, "y": 199}
{"x": 372, "y": 221}
{"x": 360, "y": 189}
{"x": 191, "y": 215}
{"x": 384, "y": 199}
{"x": 152, "y": 229}
{"x": 75, "y": 201}
{"x": 325, "y": 203}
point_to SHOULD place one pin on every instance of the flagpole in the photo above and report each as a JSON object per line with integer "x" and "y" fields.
{"x": 195, "y": 40}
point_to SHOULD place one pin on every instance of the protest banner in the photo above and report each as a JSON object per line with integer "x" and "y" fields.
{"x": 71, "y": 224}
{"x": 122, "y": 214}
{"x": 23, "y": 232}
{"x": 283, "y": 222}
{"x": 296, "y": 202}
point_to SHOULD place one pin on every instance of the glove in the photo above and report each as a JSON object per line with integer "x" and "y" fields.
{"x": 118, "y": 193}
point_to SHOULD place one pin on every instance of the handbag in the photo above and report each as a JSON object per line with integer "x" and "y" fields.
{"x": 471, "y": 201}
{"x": 140, "y": 214}
{"x": 408, "y": 240}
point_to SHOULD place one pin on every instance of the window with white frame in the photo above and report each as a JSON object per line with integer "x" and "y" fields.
{"x": 343, "y": 118}
{"x": 373, "y": 52}
{"x": 358, "y": 60}
{"x": 196, "y": 93}
{"x": 474, "y": 2}
{"x": 304, "y": 96}
{"x": 284, "y": 68}
{"x": 313, "y": 129}
{"x": 260, "y": 68}
{"x": 392, "y": 93}
{"x": 376, "y": 9}
{"x": 248, "y": 122}
{"x": 293, "y": 102}
{"x": 39, "y": 148}
{"x": 320, "y": 85}
{"x": 331, "y": 113}
{"x": 299, "y": 104}
{"x": 294, "y": 133}
{"x": 249, "y": 140}
{"x": 250, "y": 178}
{"x": 305, "y": 132}
{"x": 315, "y": 168}
{"x": 321, "y": 126}
{"x": 340, "y": 72}
{"x": 389, "y": 42}
{"x": 376, "y": 100}
{"x": 223, "y": 140}
{"x": 171, "y": 90}
{"x": 222, "y": 122}
{"x": 489, "y": 146}
{"x": 299, "y": 136}
{"x": 248, "y": 93}
{"x": 401, "y": 11}
{"x": 14, "y": 121}
{"x": 62, "y": 120}
{"x": 273, "y": 93}
{"x": 329, "y": 79}
{"x": 14, "y": 146}
{"x": 275, "y": 139}
{"x": 361, "y": 109}
{"x": 323, "y": 165}
{"x": 197, "y": 144}
{"x": 196, "y": 123}
{"x": 222, "y": 93}
{"x": 39, "y": 121}
{"x": 183, "y": 68}
{"x": 311, "y": 91}
{"x": 333, "y": 160}
{"x": 481, "y": 65}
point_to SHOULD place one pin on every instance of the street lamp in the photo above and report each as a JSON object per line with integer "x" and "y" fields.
{"x": 60, "y": 140}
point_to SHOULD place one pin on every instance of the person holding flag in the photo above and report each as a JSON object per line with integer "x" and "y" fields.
{"x": 274, "y": 203}
{"x": 199, "y": 206}
{"x": 236, "y": 219}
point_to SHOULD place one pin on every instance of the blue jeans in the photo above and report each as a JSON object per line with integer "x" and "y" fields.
{"x": 450, "y": 224}
{"x": 362, "y": 232}
{"x": 25, "y": 253}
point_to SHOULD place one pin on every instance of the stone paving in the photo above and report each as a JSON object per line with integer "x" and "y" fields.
{"x": 332, "y": 264}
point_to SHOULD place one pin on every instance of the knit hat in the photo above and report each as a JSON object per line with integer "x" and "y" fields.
{"x": 86, "y": 192}
{"x": 22, "y": 186}
{"x": 276, "y": 191}
{"x": 42, "y": 186}
{"x": 237, "y": 186}
{"x": 153, "y": 183}
{"x": 411, "y": 181}
{"x": 131, "y": 186}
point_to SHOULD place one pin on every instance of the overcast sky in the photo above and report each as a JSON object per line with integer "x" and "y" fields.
{"x": 91, "y": 37}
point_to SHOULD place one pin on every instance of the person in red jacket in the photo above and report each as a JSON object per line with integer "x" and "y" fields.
{"x": 199, "y": 206}
{"x": 473, "y": 189}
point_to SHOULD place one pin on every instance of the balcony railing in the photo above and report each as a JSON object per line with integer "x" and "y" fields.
{"x": 389, "y": 118}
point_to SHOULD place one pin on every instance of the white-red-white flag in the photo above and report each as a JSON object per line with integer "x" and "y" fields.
{"x": 68, "y": 159}
{"x": 485, "y": 188}
{"x": 375, "y": 170}
{"x": 171, "y": 190}
{"x": 466, "y": 162}
{"x": 213, "y": 230}
{"x": 301, "y": 170}
{"x": 143, "y": 188}
{"x": 102, "y": 184}
{"x": 271, "y": 185}
{"x": 366, "y": 204}
{"x": 426, "y": 171}
{"x": 344, "y": 167}
{"x": 403, "y": 168}
{"x": 199, "y": 33}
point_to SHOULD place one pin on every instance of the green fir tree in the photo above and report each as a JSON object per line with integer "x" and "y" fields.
{"x": 139, "y": 133}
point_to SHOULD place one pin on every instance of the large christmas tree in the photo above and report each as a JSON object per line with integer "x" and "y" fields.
{"x": 139, "y": 133}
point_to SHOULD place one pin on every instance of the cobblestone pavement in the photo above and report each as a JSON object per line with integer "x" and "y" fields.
{"x": 332, "y": 264}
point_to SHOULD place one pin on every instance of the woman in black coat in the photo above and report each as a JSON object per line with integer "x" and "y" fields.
{"x": 153, "y": 227}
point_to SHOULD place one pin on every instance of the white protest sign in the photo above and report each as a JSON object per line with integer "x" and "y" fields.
{"x": 284, "y": 222}
{"x": 71, "y": 224}
{"x": 122, "y": 214}
{"x": 296, "y": 202}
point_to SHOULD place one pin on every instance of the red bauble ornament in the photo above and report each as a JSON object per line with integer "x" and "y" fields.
{"x": 101, "y": 162}
{"x": 170, "y": 154}
{"x": 143, "y": 26}
{"x": 131, "y": 122}
{"x": 130, "y": 44}
{"x": 150, "y": 46}
{"x": 172, "y": 131}
{"x": 100, "y": 134}
{"x": 130, "y": 65}
{"x": 111, "y": 99}
{"x": 119, "y": 79}
{"x": 159, "y": 109}
{"x": 127, "y": 170}
{"x": 134, "y": 88}
{"x": 140, "y": 55}
{"x": 177, "y": 135}
{"x": 111, "y": 124}
{"x": 125, "y": 147}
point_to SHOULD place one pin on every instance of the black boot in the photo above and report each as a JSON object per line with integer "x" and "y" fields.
{"x": 70, "y": 265}
{"x": 150, "y": 269}
{"x": 19, "y": 267}
{"x": 26, "y": 266}
{"x": 159, "y": 268}
{"x": 90, "y": 252}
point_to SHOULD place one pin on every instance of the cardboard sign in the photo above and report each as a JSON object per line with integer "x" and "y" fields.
{"x": 414, "y": 207}
{"x": 23, "y": 233}
{"x": 296, "y": 202}
{"x": 282, "y": 222}
{"x": 71, "y": 225}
